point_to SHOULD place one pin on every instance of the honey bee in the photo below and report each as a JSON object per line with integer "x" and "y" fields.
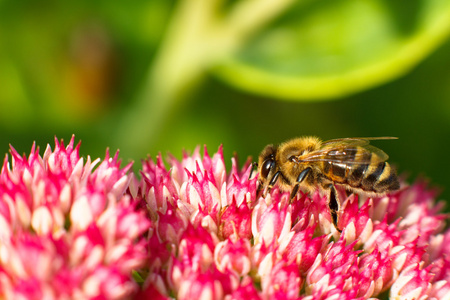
{"x": 307, "y": 163}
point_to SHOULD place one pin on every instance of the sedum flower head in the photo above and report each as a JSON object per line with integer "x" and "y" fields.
{"x": 224, "y": 243}
{"x": 68, "y": 230}
{"x": 189, "y": 229}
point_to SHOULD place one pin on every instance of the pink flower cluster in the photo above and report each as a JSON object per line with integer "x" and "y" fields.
{"x": 213, "y": 239}
{"x": 75, "y": 229}
{"x": 67, "y": 230}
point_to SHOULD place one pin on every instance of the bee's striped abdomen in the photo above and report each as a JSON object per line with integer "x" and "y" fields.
{"x": 357, "y": 174}
{"x": 380, "y": 177}
{"x": 387, "y": 181}
{"x": 371, "y": 174}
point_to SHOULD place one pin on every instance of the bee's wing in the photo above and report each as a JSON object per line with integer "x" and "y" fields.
{"x": 347, "y": 151}
{"x": 357, "y": 141}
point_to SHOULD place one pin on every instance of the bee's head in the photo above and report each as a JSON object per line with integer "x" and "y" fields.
{"x": 266, "y": 163}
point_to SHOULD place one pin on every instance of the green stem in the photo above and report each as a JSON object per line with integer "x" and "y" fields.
{"x": 174, "y": 72}
{"x": 196, "y": 39}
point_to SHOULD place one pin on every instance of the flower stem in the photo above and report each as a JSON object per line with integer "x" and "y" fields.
{"x": 197, "y": 38}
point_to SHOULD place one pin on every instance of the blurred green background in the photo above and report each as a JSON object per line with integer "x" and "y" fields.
{"x": 161, "y": 76}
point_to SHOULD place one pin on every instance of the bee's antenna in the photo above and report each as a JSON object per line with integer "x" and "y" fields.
{"x": 254, "y": 166}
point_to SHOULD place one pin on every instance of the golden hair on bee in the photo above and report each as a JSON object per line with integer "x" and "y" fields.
{"x": 308, "y": 164}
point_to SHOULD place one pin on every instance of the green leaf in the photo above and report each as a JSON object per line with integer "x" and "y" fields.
{"x": 332, "y": 48}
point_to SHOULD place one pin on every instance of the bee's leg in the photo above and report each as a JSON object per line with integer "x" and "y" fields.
{"x": 272, "y": 182}
{"x": 260, "y": 186}
{"x": 299, "y": 180}
{"x": 333, "y": 205}
{"x": 259, "y": 189}
{"x": 254, "y": 166}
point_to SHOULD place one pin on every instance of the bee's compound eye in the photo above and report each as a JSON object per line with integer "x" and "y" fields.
{"x": 266, "y": 167}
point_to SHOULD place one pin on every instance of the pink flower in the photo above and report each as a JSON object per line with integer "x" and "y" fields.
{"x": 271, "y": 222}
{"x": 336, "y": 266}
{"x": 158, "y": 186}
{"x": 375, "y": 272}
{"x": 194, "y": 274}
{"x": 284, "y": 281}
{"x": 303, "y": 248}
{"x": 233, "y": 255}
{"x": 69, "y": 230}
{"x": 246, "y": 290}
{"x": 414, "y": 282}
{"x": 236, "y": 219}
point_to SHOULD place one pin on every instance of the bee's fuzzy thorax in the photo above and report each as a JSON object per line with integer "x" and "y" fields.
{"x": 305, "y": 141}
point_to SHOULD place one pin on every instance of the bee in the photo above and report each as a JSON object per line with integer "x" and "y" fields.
{"x": 308, "y": 164}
